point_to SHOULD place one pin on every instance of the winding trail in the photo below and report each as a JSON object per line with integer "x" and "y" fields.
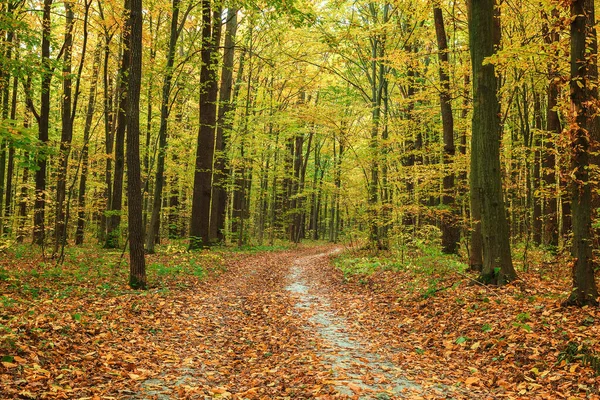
{"x": 267, "y": 329}
{"x": 355, "y": 369}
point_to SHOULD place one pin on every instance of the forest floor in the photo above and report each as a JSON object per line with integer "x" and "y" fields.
{"x": 323, "y": 322}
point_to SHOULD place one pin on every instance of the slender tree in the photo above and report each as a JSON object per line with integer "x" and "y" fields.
{"x": 43, "y": 119}
{"x": 113, "y": 221}
{"x": 223, "y": 127}
{"x": 450, "y": 229}
{"x": 89, "y": 115}
{"x": 162, "y": 133}
{"x": 137, "y": 265}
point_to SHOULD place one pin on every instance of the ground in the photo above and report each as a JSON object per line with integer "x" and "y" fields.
{"x": 313, "y": 322}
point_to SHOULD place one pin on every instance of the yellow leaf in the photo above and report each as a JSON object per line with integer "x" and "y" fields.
{"x": 471, "y": 380}
{"x": 573, "y": 368}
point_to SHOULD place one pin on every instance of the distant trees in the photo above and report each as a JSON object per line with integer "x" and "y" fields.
{"x": 314, "y": 120}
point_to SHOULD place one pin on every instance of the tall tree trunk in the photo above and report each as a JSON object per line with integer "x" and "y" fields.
{"x": 109, "y": 137}
{"x": 553, "y": 128}
{"x": 537, "y": 170}
{"x": 43, "y": 118}
{"x": 137, "y": 265}
{"x": 584, "y": 97}
{"x": 223, "y": 127}
{"x": 89, "y": 115}
{"x": 6, "y": 40}
{"x": 60, "y": 229}
{"x": 10, "y": 169}
{"x": 153, "y": 229}
{"x": 113, "y": 222}
{"x": 200, "y": 221}
{"x": 450, "y": 229}
{"x": 486, "y": 181}
{"x": 241, "y": 186}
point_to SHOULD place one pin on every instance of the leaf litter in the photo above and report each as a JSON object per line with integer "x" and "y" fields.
{"x": 285, "y": 324}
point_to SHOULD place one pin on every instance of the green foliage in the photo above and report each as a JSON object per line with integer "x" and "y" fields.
{"x": 358, "y": 266}
{"x": 461, "y": 340}
{"x": 521, "y": 321}
{"x": 580, "y": 352}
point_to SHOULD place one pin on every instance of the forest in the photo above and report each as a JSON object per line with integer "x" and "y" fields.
{"x": 257, "y": 166}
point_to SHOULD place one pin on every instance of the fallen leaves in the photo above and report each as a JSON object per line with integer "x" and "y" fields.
{"x": 237, "y": 333}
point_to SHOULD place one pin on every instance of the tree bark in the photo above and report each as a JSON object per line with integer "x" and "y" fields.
{"x": 43, "y": 118}
{"x": 60, "y": 230}
{"x": 450, "y": 229}
{"x": 223, "y": 127}
{"x": 113, "y": 221}
{"x": 553, "y": 129}
{"x": 81, "y": 198}
{"x": 200, "y": 221}
{"x": 583, "y": 110}
{"x": 137, "y": 264}
{"x": 153, "y": 229}
{"x": 486, "y": 182}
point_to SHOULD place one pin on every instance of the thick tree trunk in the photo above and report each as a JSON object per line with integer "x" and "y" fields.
{"x": 583, "y": 109}
{"x": 137, "y": 264}
{"x": 485, "y": 148}
{"x": 200, "y": 221}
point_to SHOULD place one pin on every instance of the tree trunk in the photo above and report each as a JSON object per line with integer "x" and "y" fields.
{"x": 583, "y": 109}
{"x": 486, "y": 182}
{"x": 137, "y": 264}
{"x": 10, "y": 169}
{"x": 450, "y": 229}
{"x": 553, "y": 129}
{"x": 537, "y": 171}
{"x": 223, "y": 127}
{"x": 153, "y": 229}
{"x": 39, "y": 206}
{"x": 60, "y": 230}
{"x": 109, "y": 138}
{"x": 113, "y": 222}
{"x": 81, "y": 199}
{"x": 200, "y": 221}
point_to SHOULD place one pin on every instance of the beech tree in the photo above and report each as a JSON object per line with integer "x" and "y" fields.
{"x": 137, "y": 265}
{"x": 583, "y": 140}
{"x": 200, "y": 222}
{"x": 486, "y": 181}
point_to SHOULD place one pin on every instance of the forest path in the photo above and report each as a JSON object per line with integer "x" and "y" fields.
{"x": 269, "y": 327}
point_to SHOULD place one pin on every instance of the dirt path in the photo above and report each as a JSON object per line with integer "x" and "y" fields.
{"x": 268, "y": 328}
{"x": 356, "y": 370}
